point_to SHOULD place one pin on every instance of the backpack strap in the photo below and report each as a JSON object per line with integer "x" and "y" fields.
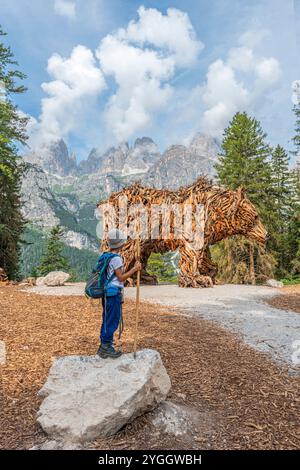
{"x": 113, "y": 255}
{"x": 108, "y": 256}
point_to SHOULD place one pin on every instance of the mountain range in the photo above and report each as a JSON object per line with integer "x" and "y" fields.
{"x": 56, "y": 189}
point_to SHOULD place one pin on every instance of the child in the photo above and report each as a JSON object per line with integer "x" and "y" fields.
{"x": 111, "y": 305}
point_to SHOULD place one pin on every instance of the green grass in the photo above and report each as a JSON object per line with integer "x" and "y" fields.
{"x": 291, "y": 281}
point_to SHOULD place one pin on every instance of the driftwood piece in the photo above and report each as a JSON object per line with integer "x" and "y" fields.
{"x": 225, "y": 213}
{"x": 3, "y": 275}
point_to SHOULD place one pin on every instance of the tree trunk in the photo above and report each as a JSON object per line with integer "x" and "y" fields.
{"x": 251, "y": 264}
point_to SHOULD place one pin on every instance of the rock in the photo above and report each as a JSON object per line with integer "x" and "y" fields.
{"x": 50, "y": 445}
{"x": 79, "y": 240}
{"x": 29, "y": 281}
{"x": 274, "y": 283}
{"x": 39, "y": 204}
{"x": 44, "y": 207}
{"x": 57, "y": 445}
{"x": 54, "y": 157}
{"x": 56, "y": 278}
{"x": 187, "y": 424}
{"x": 175, "y": 419}
{"x": 180, "y": 165}
{"x": 39, "y": 281}
{"x": 87, "y": 397}
{"x": 141, "y": 157}
{"x": 71, "y": 446}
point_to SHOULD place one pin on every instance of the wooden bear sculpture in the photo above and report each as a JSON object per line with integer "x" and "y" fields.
{"x": 223, "y": 213}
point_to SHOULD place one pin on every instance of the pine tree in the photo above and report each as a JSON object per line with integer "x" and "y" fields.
{"x": 296, "y": 138}
{"x": 295, "y": 223}
{"x": 294, "y": 226}
{"x": 282, "y": 180}
{"x": 245, "y": 161}
{"x": 12, "y": 133}
{"x": 53, "y": 259}
{"x": 283, "y": 193}
{"x": 164, "y": 266}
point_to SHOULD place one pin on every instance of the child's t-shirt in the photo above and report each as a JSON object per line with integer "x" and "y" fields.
{"x": 115, "y": 263}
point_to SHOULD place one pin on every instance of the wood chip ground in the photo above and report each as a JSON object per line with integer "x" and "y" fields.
{"x": 288, "y": 300}
{"x": 247, "y": 402}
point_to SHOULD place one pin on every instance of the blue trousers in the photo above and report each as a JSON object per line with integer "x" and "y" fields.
{"x": 111, "y": 315}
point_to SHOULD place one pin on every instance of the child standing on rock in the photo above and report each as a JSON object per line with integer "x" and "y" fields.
{"x": 112, "y": 304}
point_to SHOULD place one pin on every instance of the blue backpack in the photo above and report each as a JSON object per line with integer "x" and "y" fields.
{"x": 97, "y": 285}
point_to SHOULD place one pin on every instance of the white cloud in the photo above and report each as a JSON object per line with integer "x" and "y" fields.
{"x": 223, "y": 95}
{"x": 267, "y": 71}
{"x": 65, "y": 8}
{"x": 139, "y": 75}
{"x": 253, "y": 37}
{"x": 172, "y": 32}
{"x": 77, "y": 82}
{"x": 142, "y": 58}
{"x": 31, "y": 123}
{"x": 236, "y": 84}
{"x": 241, "y": 58}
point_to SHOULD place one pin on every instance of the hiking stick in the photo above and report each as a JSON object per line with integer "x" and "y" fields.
{"x": 137, "y": 302}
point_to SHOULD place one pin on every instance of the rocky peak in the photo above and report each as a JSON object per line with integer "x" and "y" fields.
{"x": 204, "y": 145}
{"x": 114, "y": 158}
{"x": 174, "y": 149}
{"x": 140, "y": 141}
{"x": 122, "y": 159}
{"x": 141, "y": 157}
{"x": 54, "y": 158}
{"x": 181, "y": 165}
{"x": 92, "y": 163}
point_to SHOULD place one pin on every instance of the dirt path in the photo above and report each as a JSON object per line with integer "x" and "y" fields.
{"x": 245, "y": 400}
{"x": 242, "y": 309}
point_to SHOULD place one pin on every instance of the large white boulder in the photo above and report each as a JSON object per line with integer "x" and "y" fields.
{"x": 56, "y": 278}
{"x": 274, "y": 283}
{"x": 88, "y": 397}
{"x": 39, "y": 281}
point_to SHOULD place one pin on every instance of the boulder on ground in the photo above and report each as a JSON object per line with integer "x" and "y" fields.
{"x": 274, "y": 283}
{"x": 57, "y": 445}
{"x": 29, "y": 281}
{"x": 87, "y": 397}
{"x": 39, "y": 281}
{"x": 56, "y": 278}
{"x": 179, "y": 420}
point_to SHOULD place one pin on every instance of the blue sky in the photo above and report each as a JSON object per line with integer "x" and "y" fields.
{"x": 104, "y": 71}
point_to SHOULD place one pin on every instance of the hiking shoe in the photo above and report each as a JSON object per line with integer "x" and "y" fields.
{"x": 107, "y": 350}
